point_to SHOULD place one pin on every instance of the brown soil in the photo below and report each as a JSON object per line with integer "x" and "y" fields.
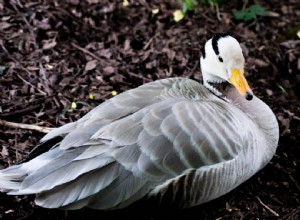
{"x": 54, "y": 53}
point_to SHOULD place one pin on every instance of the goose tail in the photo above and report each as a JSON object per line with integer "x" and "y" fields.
{"x": 11, "y": 179}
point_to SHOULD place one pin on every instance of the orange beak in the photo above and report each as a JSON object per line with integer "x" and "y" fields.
{"x": 240, "y": 83}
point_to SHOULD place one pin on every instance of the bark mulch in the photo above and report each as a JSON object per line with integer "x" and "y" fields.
{"x": 54, "y": 54}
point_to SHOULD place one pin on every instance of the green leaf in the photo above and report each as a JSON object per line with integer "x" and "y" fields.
{"x": 188, "y": 5}
{"x": 257, "y": 10}
{"x": 185, "y": 8}
{"x": 249, "y": 16}
{"x": 250, "y": 13}
{"x": 239, "y": 15}
{"x": 213, "y": 2}
{"x": 244, "y": 15}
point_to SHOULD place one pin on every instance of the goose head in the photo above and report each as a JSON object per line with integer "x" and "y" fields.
{"x": 222, "y": 60}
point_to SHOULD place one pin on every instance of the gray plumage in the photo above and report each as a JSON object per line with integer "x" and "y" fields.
{"x": 169, "y": 135}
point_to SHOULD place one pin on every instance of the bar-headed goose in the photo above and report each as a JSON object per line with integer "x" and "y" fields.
{"x": 172, "y": 135}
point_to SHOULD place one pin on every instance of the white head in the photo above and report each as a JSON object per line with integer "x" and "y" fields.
{"x": 222, "y": 60}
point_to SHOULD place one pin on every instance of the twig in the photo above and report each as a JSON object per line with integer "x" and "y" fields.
{"x": 44, "y": 78}
{"x": 19, "y": 112}
{"x": 25, "y": 126}
{"x": 267, "y": 207}
{"x": 291, "y": 214}
{"x": 245, "y": 4}
{"x": 218, "y": 12}
{"x": 43, "y": 99}
{"x": 295, "y": 182}
{"x": 193, "y": 70}
{"x": 150, "y": 41}
{"x": 138, "y": 76}
{"x": 86, "y": 51}
{"x": 28, "y": 83}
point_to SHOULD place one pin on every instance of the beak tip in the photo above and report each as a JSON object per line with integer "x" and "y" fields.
{"x": 249, "y": 96}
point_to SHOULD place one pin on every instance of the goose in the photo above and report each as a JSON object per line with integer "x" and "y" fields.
{"x": 173, "y": 138}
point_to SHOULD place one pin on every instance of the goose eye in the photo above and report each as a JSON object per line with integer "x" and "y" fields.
{"x": 221, "y": 59}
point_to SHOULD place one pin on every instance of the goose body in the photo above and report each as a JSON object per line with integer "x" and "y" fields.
{"x": 172, "y": 135}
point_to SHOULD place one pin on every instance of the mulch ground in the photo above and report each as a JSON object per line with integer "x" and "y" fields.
{"x": 55, "y": 53}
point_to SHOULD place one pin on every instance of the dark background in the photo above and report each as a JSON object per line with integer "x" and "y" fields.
{"x": 54, "y": 53}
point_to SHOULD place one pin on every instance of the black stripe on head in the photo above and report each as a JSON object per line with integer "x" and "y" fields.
{"x": 203, "y": 52}
{"x": 215, "y": 40}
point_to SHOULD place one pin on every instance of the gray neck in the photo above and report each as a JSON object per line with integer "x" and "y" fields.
{"x": 260, "y": 113}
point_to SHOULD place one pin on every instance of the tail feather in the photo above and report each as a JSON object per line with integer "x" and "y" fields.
{"x": 10, "y": 184}
{"x": 11, "y": 178}
{"x": 83, "y": 187}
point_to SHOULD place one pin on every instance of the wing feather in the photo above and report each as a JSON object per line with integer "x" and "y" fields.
{"x": 85, "y": 185}
{"x": 122, "y": 189}
{"x": 51, "y": 176}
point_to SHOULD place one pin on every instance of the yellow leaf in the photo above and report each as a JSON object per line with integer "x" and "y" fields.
{"x": 91, "y": 96}
{"x": 178, "y": 15}
{"x": 125, "y": 3}
{"x": 73, "y": 105}
{"x": 155, "y": 11}
{"x": 49, "y": 66}
{"x": 114, "y": 93}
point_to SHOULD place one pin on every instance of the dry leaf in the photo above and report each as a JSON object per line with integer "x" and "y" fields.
{"x": 23, "y": 145}
{"x": 93, "y": 1}
{"x": 5, "y": 25}
{"x": 109, "y": 69}
{"x": 4, "y": 152}
{"x": 90, "y": 65}
{"x": 48, "y": 44}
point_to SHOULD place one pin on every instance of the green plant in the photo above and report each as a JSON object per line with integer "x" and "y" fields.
{"x": 188, "y": 5}
{"x": 191, "y": 5}
{"x": 250, "y": 13}
{"x": 211, "y": 2}
{"x": 245, "y": 14}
